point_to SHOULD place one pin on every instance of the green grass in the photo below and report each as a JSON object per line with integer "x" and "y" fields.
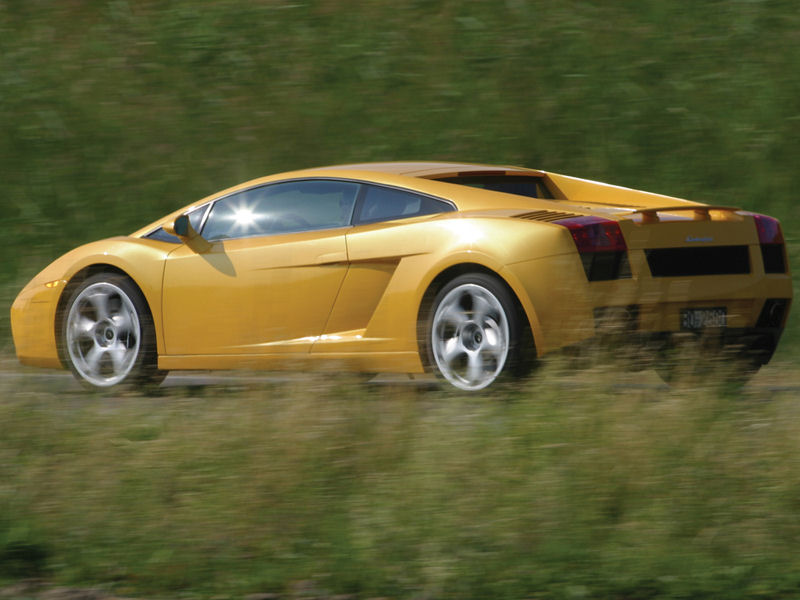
{"x": 114, "y": 113}
{"x": 559, "y": 488}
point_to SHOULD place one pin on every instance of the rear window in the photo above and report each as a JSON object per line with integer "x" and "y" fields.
{"x": 531, "y": 187}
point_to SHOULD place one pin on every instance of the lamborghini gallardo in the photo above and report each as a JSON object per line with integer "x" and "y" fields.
{"x": 472, "y": 272}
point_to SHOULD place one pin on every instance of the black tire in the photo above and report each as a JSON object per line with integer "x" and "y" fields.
{"x": 107, "y": 334}
{"x": 475, "y": 333}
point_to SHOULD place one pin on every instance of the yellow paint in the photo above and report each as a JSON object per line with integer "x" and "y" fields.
{"x": 351, "y": 297}
{"x": 253, "y": 295}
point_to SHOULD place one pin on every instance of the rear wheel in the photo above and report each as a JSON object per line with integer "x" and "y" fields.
{"x": 474, "y": 332}
{"x": 108, "y": 334}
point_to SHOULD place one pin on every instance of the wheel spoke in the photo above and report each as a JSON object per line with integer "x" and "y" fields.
{"x": 82, "y": 327}
{"x": 99, "y": 300}
{"x": 475, "y": 370}
{"x": 493, "y": 341}
{"x": 93, "y": 359}
{"x": 452, "y": 349}
{"x": 480, "y": 308}
{"x": 452, "y": 314}
{"x": 122, "y": 321}
{"x": 118, "y": 354}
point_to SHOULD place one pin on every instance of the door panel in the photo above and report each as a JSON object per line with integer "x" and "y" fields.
{"x": 259, "y": 295}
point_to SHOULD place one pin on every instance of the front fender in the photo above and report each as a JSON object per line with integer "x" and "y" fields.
{"x": 34, "y": 311}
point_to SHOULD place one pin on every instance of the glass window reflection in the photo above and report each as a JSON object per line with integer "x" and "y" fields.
{"x": 282, "y": 208}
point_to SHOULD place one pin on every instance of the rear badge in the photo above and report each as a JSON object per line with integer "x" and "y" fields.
{"x": 691, "y": 238}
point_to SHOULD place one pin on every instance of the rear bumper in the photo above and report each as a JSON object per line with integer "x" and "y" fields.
{"x": 617, "y": 329}
{"x": 562, "y": 304}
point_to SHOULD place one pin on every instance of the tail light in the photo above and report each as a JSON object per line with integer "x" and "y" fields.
{"x": 595, "y": 234}
{"x": 773, "y": 249}
{"x": 769, "y": 229}
{"x": 601, "y": 246}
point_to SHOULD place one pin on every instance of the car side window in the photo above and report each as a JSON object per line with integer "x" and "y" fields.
{"x": 380, "y": 203}
{"x": 286, "y": 207}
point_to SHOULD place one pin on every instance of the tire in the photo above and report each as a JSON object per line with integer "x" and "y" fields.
{"x": 475, "y": 334}
{"x": 108, "y": 335}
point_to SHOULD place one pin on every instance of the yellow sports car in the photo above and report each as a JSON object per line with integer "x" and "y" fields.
{"x": 471, "y": 271}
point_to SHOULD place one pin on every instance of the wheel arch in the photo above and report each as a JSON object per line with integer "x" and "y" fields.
{"x": 77, "y": 279}
{"x": 447, "y": 275}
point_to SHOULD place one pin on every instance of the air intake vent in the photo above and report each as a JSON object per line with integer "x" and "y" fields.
{"x": 546, "y": 215}
{"x": 685, "y": 262}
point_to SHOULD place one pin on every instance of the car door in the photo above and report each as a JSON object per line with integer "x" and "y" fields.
{"x": 269, "y": 276}
{"x": 388, "y": 235}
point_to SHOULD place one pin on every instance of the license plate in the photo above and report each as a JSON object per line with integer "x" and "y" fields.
{"x": 701, "y": 318}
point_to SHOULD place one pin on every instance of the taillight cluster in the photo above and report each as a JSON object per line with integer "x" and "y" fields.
{"x": 773, "y": 249}
{"x": 602, "y": 247}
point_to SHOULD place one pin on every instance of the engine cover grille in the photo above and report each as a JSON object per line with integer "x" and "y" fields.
{"x": 546, "y": 215}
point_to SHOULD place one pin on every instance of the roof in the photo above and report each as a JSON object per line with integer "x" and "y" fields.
{"x": 435, "y": 169}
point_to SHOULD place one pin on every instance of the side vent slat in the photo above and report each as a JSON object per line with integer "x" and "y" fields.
{"x": 546, "y": 215}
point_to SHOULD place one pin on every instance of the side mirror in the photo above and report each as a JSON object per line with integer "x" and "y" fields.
{"x": 182, "y": 228}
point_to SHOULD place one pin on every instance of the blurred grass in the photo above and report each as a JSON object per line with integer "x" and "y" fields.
{"x": 559, "y": 488}
{"x": 114, "y": 113}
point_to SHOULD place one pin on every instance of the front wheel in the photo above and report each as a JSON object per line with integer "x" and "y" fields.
{"x": 475, "y": 332}
{"x": 108, "y": 334}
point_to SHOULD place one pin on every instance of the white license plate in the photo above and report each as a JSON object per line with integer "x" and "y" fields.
{"x": 702, "y": 318}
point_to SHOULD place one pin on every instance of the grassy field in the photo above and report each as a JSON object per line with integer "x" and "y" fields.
{"x": 564, "y": 487}
{"x": 114, "y": 112}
